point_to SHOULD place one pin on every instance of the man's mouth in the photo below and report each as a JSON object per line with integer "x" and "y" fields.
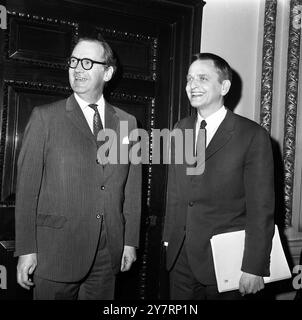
{"x": 81, "y": 79}
{"x": 197, "y": 94}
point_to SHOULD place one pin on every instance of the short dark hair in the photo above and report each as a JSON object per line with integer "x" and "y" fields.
{"x": 108, "y": 53}
{"x": 223, "y": 68}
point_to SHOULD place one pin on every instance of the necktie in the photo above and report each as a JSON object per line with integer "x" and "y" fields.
{"x": 201, "y": 145}
{"x": 97, "y": 122}
{"x": 203, "y": 125}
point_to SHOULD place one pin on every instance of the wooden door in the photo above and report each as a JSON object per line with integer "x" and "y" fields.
{"x": 154, "y": 41}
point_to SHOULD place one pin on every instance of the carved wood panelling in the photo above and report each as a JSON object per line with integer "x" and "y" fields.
{"x": 268, "y": 53}
{"x": 31, "y": 39}
{"x": 144, "y": 110}
{"x": 141, "y": 107}
{"x": 292, "y": 81}
{"x": 18, "y": 101}
{"x": 138, "y": 53}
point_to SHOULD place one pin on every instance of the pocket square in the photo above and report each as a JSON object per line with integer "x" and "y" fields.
{"x": 125, "y": 140}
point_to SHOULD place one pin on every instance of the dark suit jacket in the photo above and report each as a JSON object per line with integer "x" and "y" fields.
{"x": 59, "y": 194}
{"x": 234, "y": 192}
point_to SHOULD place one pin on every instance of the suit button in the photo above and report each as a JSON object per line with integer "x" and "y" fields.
{"x": 98, "y": 216}
{"x": 102, "y": 187}
{"x": 191, "y": 204}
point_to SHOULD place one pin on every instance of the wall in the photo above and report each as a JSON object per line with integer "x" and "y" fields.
{"x": 230, "y": 28}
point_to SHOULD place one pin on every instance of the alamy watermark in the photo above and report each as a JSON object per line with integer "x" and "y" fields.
{"x": 3, "y": 277}
{"x": 3, "y": 17}
{"x": 297, "y": 280}
{"x": 133, "y": 147}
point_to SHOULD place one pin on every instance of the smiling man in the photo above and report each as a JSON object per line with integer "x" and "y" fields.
{"x": 235, "y": 191}
{"x": 77, "y": 220}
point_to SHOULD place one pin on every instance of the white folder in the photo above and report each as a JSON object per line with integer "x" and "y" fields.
{"x": 227, "y": 249}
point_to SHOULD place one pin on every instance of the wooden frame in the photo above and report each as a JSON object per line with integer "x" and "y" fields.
{"x": 18, "y": 101}
{"x": 21, "y": 26}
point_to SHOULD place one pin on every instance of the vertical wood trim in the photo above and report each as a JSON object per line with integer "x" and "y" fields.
{"x": 290, "y": 119}
{"x": 268, "y": 54}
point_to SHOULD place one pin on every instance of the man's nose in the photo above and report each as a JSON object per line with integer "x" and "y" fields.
{"x": 79, "y": 67}
{"x": 194, "y": 83}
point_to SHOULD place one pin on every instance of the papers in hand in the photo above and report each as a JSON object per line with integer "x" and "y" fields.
{"x": 227, "y": 249}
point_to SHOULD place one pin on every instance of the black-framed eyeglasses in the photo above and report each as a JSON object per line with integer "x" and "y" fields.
{"x": 86, "y": 63}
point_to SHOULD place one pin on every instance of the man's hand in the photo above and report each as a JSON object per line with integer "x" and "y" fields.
{"x": 26, "y": 266}
{"x": 250, "y": 283}
{"x": 129, "y": 256}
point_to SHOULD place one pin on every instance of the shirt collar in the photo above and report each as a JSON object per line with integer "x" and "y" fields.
{"x": 84, "y": 104}
{"x": 214, "y": 118}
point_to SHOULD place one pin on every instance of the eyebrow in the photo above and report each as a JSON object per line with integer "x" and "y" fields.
{"x": 198, "y": 74}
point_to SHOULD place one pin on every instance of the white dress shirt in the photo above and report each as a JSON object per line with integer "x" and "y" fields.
{"x": 89, "y": 112}
{"x": 213, "y": 122}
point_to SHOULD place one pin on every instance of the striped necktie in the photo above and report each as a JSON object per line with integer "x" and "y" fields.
{"x": 97, "y": 122}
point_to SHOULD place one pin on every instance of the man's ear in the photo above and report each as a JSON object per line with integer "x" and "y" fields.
{"x": 108, "y": 74}
{"x": 226, "y": 85}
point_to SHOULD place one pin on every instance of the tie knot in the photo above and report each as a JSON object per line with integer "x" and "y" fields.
{"x": 93, "y": 106}
{"x": 203, "y": 124}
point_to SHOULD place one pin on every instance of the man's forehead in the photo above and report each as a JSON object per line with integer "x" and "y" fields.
{"x": 88, "y": 48}
{"x": 202, "y": 67}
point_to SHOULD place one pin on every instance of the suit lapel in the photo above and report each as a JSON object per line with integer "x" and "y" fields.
{"x": 77, "y": 117}
{"x": 222, "y": 135}
{"x": 219, "y": 140}
{"x": 111, "y": 122}
{"x": 111, "y": 119}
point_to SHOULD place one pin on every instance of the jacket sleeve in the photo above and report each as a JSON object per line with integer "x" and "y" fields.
{"x": 30, "y": 170}
{"x": 260, "y": 204}
{"x": 132, "y": 202}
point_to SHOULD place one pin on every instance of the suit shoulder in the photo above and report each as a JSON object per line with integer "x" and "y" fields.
{"x": 52, "y": 108}
{"x": 248, "y": 124}
{"x": 48, "y": 111}
{"x": 183, "y": 123}
{"x": 123, "y": 115}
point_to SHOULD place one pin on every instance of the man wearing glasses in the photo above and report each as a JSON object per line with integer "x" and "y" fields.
{"x": 77, "y": 219}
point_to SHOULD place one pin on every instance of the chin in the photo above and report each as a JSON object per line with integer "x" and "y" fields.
{"x": 79, "y": 89}
{"x": 196, "y": 105}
